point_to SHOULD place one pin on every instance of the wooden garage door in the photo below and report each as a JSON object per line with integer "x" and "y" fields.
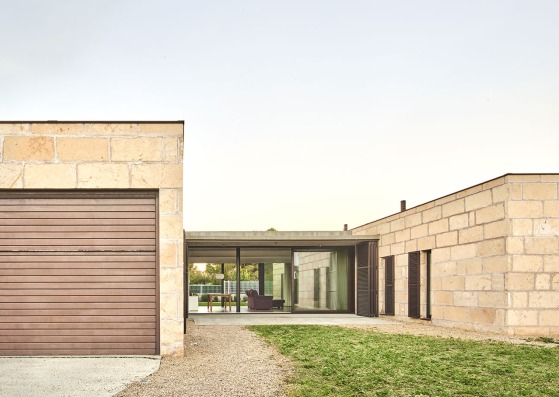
{"x": 78, "y": 273}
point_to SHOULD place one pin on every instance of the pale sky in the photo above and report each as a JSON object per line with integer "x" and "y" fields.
{"x": 301, "y": 115}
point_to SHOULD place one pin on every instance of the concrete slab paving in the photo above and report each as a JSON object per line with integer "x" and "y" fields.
{"x": 284, "y": 319}
{"x": 72, "y": 376}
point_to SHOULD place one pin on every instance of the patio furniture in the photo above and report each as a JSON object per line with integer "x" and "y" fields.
{"x": 278, "y": 303}
{"x": 258, "y": 302}
{"x": 211, "y": 299}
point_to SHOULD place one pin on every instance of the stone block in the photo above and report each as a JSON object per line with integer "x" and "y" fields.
{"x": 470, "y": 235}
{"x": 453, "y": 208}
{"x": 520, "y": 281}
{"x": 397, "y": 224}
{"x": 137, "y": 149}
{"x": 402, "y": 235}
{"x": 522, "y": 227}
{"x": 170, "y": 280}
{"x": 527, "y": 263}
{"x": 411, "y": 246}
{"x": 103, "y": 176}
{"x": 551, "y": 263}
{"x": 498, "y": 282}
{"x": 14, "y": 128}
{"x": 384, "y": 250}
{"x": 479, "y": 200}
{"x": 11, "y": 175}
{"x": 500, "y": 193}
{"x": 515, "y": 245}
{"x": 494, "y": 182}
{"x": 387, "y": 239}
{"x": 540, "y": 191}
{"x": 445, "y": 199}
{"x": 459, "y": 222}
{"x": 464, "y": 251}
{"x": 490, "y": 214}
{"x": 447, "y": 239}
{"x": 525, "y": 209}
{"x": 443, "y": 298}
{"x": 57, "y": 128}
{"x": 156, "y": 176}
{"x": 28, "y": 148}
{"x": 482, "y": 316}
{"x": 50, "y": 176}
{"x": 542, "y": 245}
{"x": 170, "y": 226}
{"x": 478, "y": 282}
{"x": 551, "y": 209}
{"x": 523, "y": 178}
{"x": 555, "y": 282}
{"x": 397, "y": 249}
{"x": 171, "y": 150}
{"x": 465, "y": 298}
{"x": 171, "y": 331}
{"x": 425, "y": 243}
{"x": 546, "y": 227}
{"x": 493, "y": 299}
{"x": 441, "y": 255}
{"x": 169, "y": 306}
{"x": 419, "y": 231}
{"x": 383, "y": 228}
{"x": 440, "y": 226}
{"x": 455, "y": 283}
{"x": 543, "y": 281}
{"x": 162, "y": 128}
{"x": 168, "y": 254}
{"x": 491, "y": 247}
{"x": 412, "y": 220}
{"x": 550, "y": 178}
{"x": 432, "y": 214}
{"x": 469, "y": 266}
{"x": 519, "y": 300}
{"x": 515, "y": 191}
{"x": 443, "y": 269}
{"x": 469, "y": 191}
{"x": 496, "y": 264}
{"x": 454, "y": 313}
{"x": 549, "y": 318}
{"x": 82, "y": 149}
{"x": 168, "y": 201}
{"x": 112, "y": 129}
{"x": 543, "y": 299}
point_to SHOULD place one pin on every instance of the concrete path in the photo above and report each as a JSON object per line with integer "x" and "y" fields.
{"x": 72, "y": 376}
{"x": 284, "y": 319}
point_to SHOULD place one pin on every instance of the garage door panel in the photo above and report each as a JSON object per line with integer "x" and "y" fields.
{"x": 22, "y": 271}
{"x": 78, "y": 273}
{"x": 77, "y": 352}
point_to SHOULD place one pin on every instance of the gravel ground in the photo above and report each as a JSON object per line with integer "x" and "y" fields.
{"x": 232, "y": 361}
{"x": 218, "y": 361}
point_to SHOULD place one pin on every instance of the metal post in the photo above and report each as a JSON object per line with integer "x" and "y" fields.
{"x": 238, "y": 284}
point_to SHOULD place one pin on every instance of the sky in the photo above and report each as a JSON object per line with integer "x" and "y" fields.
{"x": 300, "y": 114}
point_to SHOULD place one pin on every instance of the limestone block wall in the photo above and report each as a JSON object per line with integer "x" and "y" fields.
{"x": 494, "y": 255}
{"x": 110, "y": 155}
{"x": 533, "y": 248}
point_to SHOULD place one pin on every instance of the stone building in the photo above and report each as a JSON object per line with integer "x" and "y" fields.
{"x": 91, "y": 237}
{"x": 484, "y": 258}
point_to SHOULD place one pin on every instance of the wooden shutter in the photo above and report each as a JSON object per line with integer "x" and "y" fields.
{"x": 389, "y": 285}
{"x": 363, "y": 281}
{"x": 413, "y": 285}
{"x": 78, "y": 273}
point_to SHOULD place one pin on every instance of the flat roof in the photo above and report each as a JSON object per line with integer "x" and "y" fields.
{"x": 276, "y": 239}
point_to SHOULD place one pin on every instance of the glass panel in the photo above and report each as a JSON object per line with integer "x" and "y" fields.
{"x": 271, "y": 273}
{"x": 321, "y": 280}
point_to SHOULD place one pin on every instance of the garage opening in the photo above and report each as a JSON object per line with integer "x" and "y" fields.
{"x": 79, "y": 273}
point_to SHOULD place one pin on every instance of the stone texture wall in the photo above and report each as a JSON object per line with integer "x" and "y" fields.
{"x": 494, "y": 255}
{"x": 110, "y": 156}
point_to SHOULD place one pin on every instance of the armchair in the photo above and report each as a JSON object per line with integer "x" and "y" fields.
{"x": 258, "y": 302}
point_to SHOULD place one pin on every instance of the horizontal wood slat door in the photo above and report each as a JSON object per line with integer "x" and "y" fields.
{"x": 78, "y": 273}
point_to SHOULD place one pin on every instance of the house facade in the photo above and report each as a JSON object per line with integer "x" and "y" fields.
{"x": 91, "y": 238}
{"x": 484, "y": 258}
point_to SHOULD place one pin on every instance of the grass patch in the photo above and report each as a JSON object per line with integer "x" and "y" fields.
{"x": 336, "y": 361}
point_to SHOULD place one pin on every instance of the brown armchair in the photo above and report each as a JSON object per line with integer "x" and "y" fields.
{"x": 258, "y": 302}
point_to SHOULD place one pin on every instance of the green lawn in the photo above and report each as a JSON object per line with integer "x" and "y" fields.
{"x": 336, "y": 361}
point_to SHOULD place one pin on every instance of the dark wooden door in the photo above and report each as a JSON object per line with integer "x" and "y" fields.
{"x": 367, "y": 279}
{"x": 413, "y": 285}
{"x": 78, "y": 273}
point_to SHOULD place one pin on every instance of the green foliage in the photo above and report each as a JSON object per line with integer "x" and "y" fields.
{"x": 336, "y": 361}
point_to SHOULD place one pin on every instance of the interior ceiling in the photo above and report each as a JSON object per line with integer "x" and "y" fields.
{"x": 248, "y": 255}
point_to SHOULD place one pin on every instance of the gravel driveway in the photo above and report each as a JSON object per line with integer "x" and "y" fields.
{"x": 218, "y": 361}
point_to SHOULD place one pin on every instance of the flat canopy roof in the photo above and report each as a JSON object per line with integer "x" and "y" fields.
{"x": 215, "y": 247}
{"x": 275, "y": 239}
